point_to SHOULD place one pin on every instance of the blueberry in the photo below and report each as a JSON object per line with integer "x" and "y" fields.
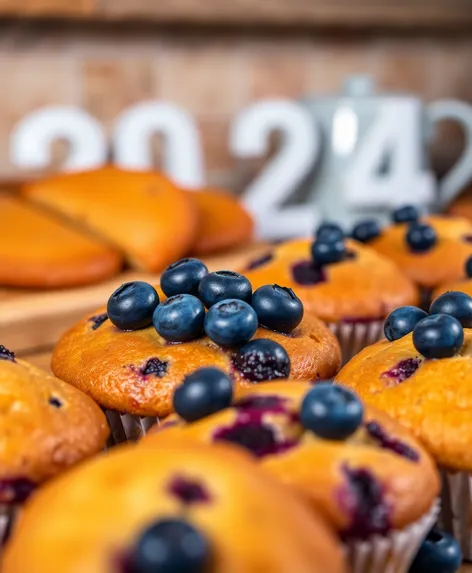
{"x": 439, "y": 553}
{"x": 326, "y": 253}
{"x": 131, "y": 306}
{"x": 262, "y": 359}
{"x": 170, "y": 546}
{"x": 329, "y": 232}
{"x": 6, "y": 354}
{"x": 204, "y": 392}
{"x": 231, "y": 322}
{"x": 331, "y": 412}
{"x": 401, "y": 321}
{"x": 406, "y": 214}
{"x": 277, "y": 308}
{"x": 420, "y": 237}
{"x": 438, "y": 336}
{"x": 183, "y": 277}
{"x": 366, "y": 231}
{"x": 180, "y": 318}
{"x": 468, "y": 267}
{"x": 457, "y": 304}
{"x": 223, "y": 285}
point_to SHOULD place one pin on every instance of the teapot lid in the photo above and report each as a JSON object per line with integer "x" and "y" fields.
{"x": 359, "y": 86}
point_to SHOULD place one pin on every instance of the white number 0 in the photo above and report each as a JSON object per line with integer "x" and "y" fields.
{"x": 249, "y": 137}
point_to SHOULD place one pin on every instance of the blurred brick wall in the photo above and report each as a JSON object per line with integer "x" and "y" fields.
{"x": 213, "y": 75}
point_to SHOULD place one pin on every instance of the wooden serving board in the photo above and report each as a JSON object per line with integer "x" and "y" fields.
{"x": 31, "y": 321}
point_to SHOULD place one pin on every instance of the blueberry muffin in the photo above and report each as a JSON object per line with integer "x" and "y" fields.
{"x": 462, "y": 285}
{"x": 223, "y": 222}
{"x": 346, "y": 284}
{"x": 46, "y": 427}
{"x": 181, "y": 508}
{"x": 422, "y": 376}
{"x": 131, "y": 356}
{"x": 38, "y": 250}
{"x": 370, "y": 479}
{"x": 429, "y": 250}
{"x": 142, "y": 213}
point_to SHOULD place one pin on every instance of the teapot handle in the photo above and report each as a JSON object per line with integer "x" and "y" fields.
{"x": 461, "y": 174}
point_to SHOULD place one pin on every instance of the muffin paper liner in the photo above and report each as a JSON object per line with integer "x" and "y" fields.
{"x": 456, "y": 508}
{"x": 393, "y": 553}
{"x": 354, "y": 336}
{"x": 8, "y": 516}
{"x": 128, "y": 428}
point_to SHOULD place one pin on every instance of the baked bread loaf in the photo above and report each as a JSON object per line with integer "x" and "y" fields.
{"x": 38, "y": 250}
{"x": 223, "y": 223}
{"x": 143, "y": 214}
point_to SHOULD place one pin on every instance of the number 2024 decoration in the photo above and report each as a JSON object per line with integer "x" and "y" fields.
{"x": 183, "y": 161}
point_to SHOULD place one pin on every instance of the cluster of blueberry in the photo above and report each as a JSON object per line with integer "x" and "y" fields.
{"x": 439, "y": 334}
{"x": 331, "y": 412}
{"x": 234, "y": 311}
{"x": 329, "y": 246}
{"x": 419, "y": 237}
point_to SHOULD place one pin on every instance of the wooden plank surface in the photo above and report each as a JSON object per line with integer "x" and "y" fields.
{"x": 45, "y": 8}
{"x": 32, "y": 319}
{"x": 337, "y": 13}
{"x": 409, "y": 13}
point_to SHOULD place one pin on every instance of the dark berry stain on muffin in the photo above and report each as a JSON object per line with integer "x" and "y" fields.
{"x": 251, "y": 431}
{"x": 266, "y": 403}
{"x": 260, "y": 262}
{"x": 55, "y": 402}
{"x": 403, "y": 370}
{"x": 16, "y": 490}
{"x": 6, "y": 354}
{"x": 378, "y": 433}
{"x": 98, "y": 320}
{"x": 362, "y": 499}
{"x": 257, "y": 366}
{"x": 306, "y": 273}
{"x": 467, "y": 238}
{"x": 188, "y": 491}
{"x": 156, "y": 367}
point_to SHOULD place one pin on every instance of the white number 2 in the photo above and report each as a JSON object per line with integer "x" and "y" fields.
{"x": 249, "y": 137}
{"x": 31, "y": 139}
{"x": 394, "y": 135}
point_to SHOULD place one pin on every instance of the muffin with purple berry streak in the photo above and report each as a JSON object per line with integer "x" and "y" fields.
{"x": 422, "y": 376}
{"x": 429, "y": 250}
{"x": 183, "y": 508}
{"x": 346, "y": 284}
{"x": 131, "y": 356}
{"x": 46, "y": 427}
{"x": 367, "y": 475}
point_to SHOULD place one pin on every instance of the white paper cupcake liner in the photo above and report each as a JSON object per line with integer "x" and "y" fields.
{"x": 456, "y": 508}
{"x": 128, "y": 428}
{"x": 354, "y": 336}
{"x": 393, "y": 553}
{"x": 8, "y": 516}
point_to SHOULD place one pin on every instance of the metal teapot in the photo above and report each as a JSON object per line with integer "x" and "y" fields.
{"x": 373, "y": 152}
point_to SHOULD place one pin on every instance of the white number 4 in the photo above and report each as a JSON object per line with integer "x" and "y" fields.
{"x": 394, "y": 135}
